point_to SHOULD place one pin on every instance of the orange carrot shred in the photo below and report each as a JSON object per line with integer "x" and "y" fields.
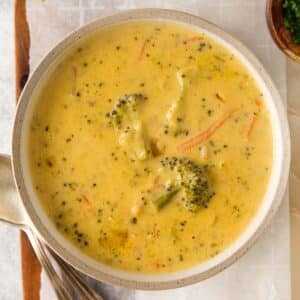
{"x": 192, "y": 39}
{"x": 251, "y": 127}
{"x": 142, "y": 50}
{"x": 258, "y": 102}
{"x": 86, "y": 199}
{"x": 205, "y": 135}
{"x": 221, "y": 99}
{"x": 156, "y": 180}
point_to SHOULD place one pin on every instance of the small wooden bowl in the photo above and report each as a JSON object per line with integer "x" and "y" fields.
{"x": 281, "y": 35}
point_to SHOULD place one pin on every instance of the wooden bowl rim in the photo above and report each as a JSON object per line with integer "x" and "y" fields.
{"x": 276, "y": 37}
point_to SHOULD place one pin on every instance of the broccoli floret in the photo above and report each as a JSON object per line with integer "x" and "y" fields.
{"x": 128, "y": 126}
{"x": 193, "y": 179}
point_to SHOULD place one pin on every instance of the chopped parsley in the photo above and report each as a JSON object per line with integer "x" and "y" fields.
{"x": 291, "y": 9}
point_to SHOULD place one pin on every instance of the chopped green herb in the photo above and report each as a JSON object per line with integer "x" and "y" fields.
{"x": 133, "y": 220}
{"x": 291, "y": 9}
{"x": 49, "y": 163}
{"x": 210, "y": 112}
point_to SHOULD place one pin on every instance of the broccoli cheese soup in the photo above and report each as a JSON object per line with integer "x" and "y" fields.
{"x": 150, "y": 147}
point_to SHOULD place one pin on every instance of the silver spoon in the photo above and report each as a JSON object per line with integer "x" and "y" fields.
{"x": 72, "y": 277}
{"x": 9, "y": 214}
{"x": 58, "y": 285}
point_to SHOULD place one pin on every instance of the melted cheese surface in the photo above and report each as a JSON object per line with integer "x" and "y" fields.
{"x": 99, "y": 195}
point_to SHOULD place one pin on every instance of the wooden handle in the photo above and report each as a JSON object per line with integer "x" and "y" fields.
{"x": 22, "y": 45}
{"x": 31, "y": 269}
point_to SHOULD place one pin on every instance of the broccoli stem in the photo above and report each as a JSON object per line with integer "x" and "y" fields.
{"x": 174, "y": 115}
{"x": 164, "y": 199}
{"x": 174, "y": 110}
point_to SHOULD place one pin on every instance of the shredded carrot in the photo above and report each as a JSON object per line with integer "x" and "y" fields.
{"x": 205, "y": 135}
{"x": 252, "y": 124}
{"x": 221, "y": 99}
{"x": 142, "y": 49}
{"x": 86, "y": 199}
{"x": 157, "y": 265}
{"x": 192, "y": 39}
{"x": 258, "y": 102}
{"x": 156, "y": 180}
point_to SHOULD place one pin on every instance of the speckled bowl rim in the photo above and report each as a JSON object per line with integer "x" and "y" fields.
{"x": 83, "y": 263}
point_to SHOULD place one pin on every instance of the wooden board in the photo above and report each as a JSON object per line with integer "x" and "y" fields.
{"x": 31, "y": 269}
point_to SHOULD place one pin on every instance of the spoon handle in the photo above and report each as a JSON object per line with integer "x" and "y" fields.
{"x": 74, "y": 278}
{"x": 58, "y": 285}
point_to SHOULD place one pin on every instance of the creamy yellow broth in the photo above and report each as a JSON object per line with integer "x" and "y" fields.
{"x": 97, "y": 185}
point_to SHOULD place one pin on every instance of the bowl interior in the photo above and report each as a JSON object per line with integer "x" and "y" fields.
{"x": 276, "y": 187}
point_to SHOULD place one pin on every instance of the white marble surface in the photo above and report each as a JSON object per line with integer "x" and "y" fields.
{"x": 10, "y": 268}
{"x": 262, "y": 274}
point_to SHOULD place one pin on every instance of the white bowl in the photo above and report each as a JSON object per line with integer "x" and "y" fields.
{"x": 34, "y": 216}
